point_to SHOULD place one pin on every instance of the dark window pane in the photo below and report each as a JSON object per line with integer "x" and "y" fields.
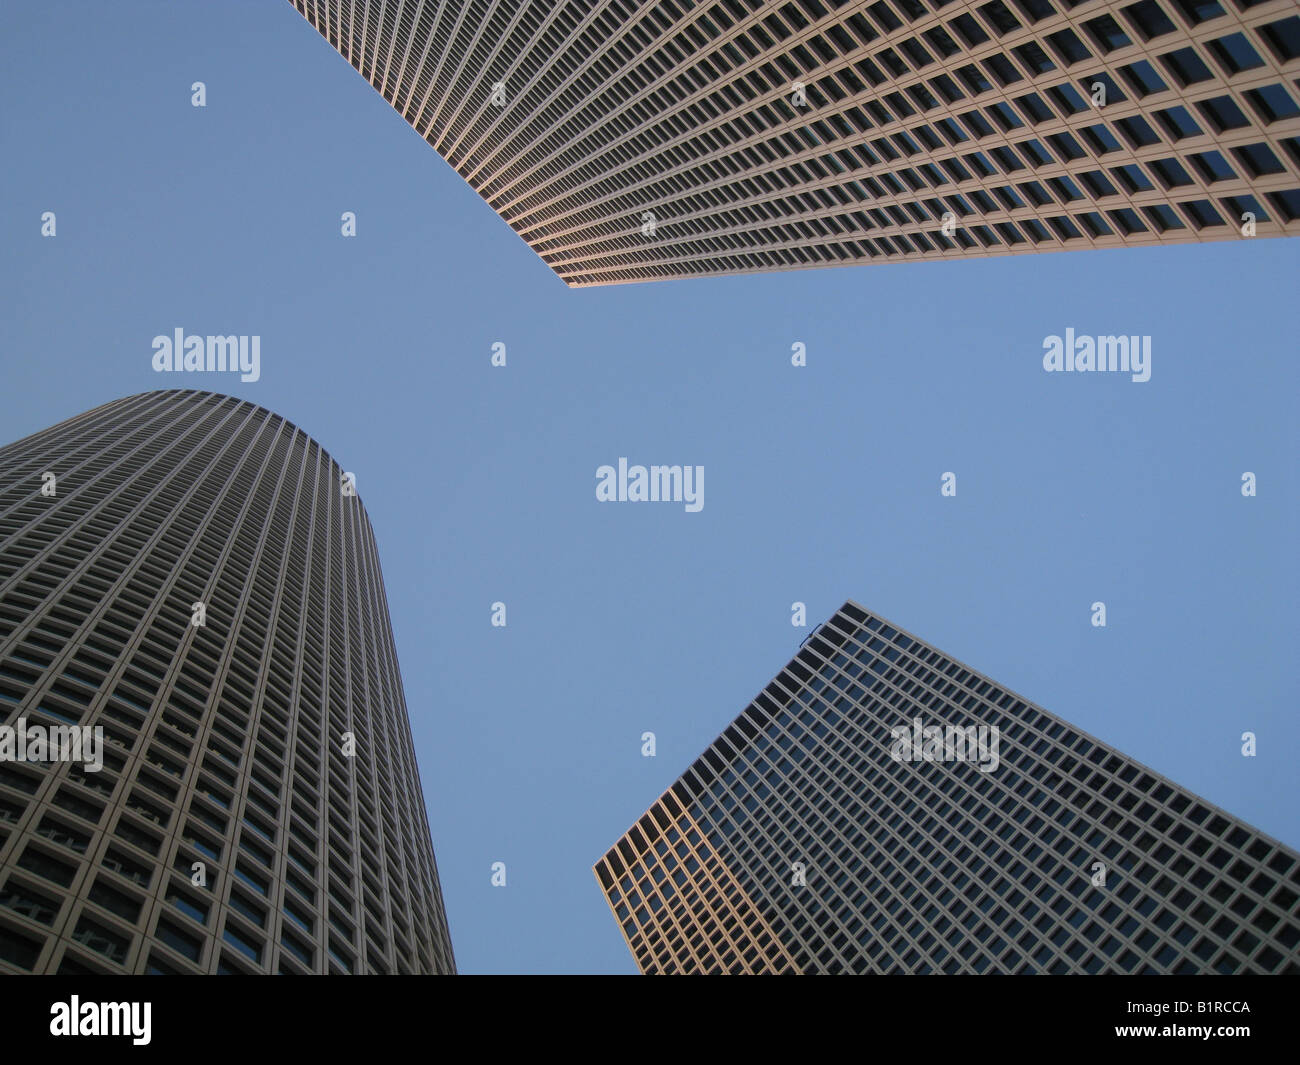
{"x": 1034, "y": 58}
{"x": 969, "y": 30}
{"x": 1036, "y": 10}
{"x": 1162, "y": 218}
{"x": 1212, "y": 167}
{"x": 1068, "y": 46}
{"x": 1178, "y": 122}
{"x": 1273, "y": 103}
{"x": 1223, "y": 113}
{"x": 1101, "y": 139}
{"x": 1108, "y": 33}
{"x": 1283, "y": 37}
{"x": 999, "y": 16}
{"x": 1202, "y": 214}
{"x": 1004, "y": 116}
{"x": 1198, "y": 11}
{"x": 1002, "y": 69}
{"x": 1132, "y": 178}
{"x": 1149, "y": 19}
{"x": 1137, "y": 131}
{"x": 1113, "y": 93}
{"x": 1034, "y": 108}
{"x": 1143, "y": 77}
{"x": 1170, "y": 173}
{"x": 1186, "y": 66}
{"x": 1287, "y": 203}
{"x": 1235, "y": 54}
{"x": 1259, "y": 159}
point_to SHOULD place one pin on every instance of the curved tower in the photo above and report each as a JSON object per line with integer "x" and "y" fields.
{"x": 191, "y": 580}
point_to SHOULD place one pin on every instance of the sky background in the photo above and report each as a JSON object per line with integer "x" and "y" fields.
{"x": 822, "y": 483}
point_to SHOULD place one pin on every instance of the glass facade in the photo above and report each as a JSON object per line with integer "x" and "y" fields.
{"x": 631, "y": 141}
{"x": 804, "y": 840}
{"x": 258, "y": 809}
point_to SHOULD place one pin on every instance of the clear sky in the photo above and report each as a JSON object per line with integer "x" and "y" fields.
{"x": 822, "y": 482}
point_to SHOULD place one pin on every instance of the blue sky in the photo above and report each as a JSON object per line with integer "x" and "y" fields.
{"x": 822, "y": 482}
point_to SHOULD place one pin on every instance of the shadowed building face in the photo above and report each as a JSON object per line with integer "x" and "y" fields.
{"x": 193, "y": 577}
{"x": 839, "y": 825}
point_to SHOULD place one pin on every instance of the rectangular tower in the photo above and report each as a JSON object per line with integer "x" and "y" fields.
{"x": 826, "y": 831}
{"x": 639, "y": 141}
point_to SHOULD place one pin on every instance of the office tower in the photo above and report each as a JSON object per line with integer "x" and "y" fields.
{"x": 201, "y": 580}
{"x": 810, "y": 837}
{"x": 637, "y": 141}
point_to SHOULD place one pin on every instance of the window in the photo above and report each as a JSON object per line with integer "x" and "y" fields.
{"x": 1004, "y": 116}
{"x": 1065, "y": 146}
{"x": 1108, "y": 33}
{"x": 1067, "y": 99}
{"x": 116, "y": 902}
{"x": 1007, "y": 160}
{"x": 38, "y": 862}
{"x": 1259, "y": 160}
{"x": 28, "y": 902}
{"x": 102, "y": 940}
{"x": 1202, "y": 214}
{"x": 1223, "y": 113}
{"x": 1195, "y": 12}
{"x": 1283, "y": 37}
{"x": 1132, "y": 178}
{"x": 1033, "y": 107}
{"x": 241, "y": 942}
{"x": 1162, "y": 218}
{"x": 187, "y": 904}
{"x": 297, "y": 948}
{"x": 1002, "y": 69}
{"x": 1066, "y": 190}
{"x": 182, "y": 942}
{"x": 1170, "y": 173}
{"x": 1287, "y": 203}
{"x": 1101, "y": 139}
{"x": 1109, "y": 92}
{"x": 1143, "y": 78}
{"x": 1034, "y": 58}
{"x": 973, "y": 78}
{"x": 1137, "y": 131}
{"x": 947, "y": 88}
{"x": 999, "y": 17}
{"x": 1065, "y": 229}
{"x": 1127, "y": 221}
{"x": 1178, "y": 122}
{"x": 1212, "y": 167}
{"x": 1235, "y": 54}
{"x": 1095, "y": 224}
{"x": 1272, "y": 103}
{"x": 1036, "y": 10}
{"x": 1097, "y": 184}
{"x": 977, "y": 124}
{"x": 18, "y": 950}
{"x": 968, "y": 30}
{"x": 1186, "y": 66}
{"x": 1034, "y": 151}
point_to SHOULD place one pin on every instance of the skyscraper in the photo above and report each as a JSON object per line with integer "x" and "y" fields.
{"x": 197, "y": 577}
{"x": 637, "y": 141}
{"x": 826, "y": 830}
